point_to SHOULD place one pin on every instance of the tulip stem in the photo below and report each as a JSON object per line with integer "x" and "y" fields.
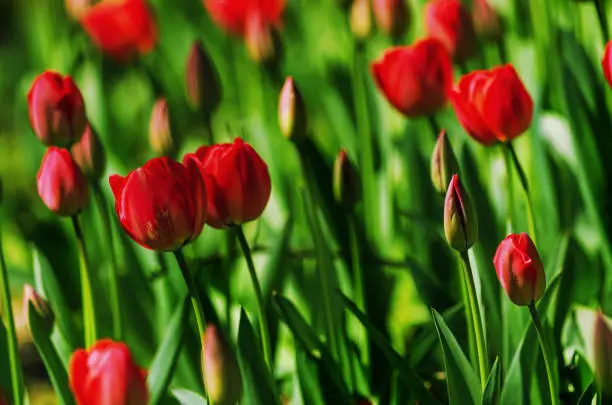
{"x": 263, "y": 318}
{"x": 13, "y": 351}
{"x": 481, "y": 344}
{"x": 525, "y": 184}
{"x": 603, "y": 20}
{"x": 548, "y": 359}
{"x": 359, "y": 290}
{"x": 194, "y": 293}
{"x": 89, "y": 312}
{"x": 509, "y": 188}
{"x": 113, "y": 276}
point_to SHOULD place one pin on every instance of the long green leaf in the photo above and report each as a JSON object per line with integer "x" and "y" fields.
{"x": 492, "y": 392}
{"x": 186, "y": 397}
{"x": 308, "y": 379}
{"x": 587, "y": 396}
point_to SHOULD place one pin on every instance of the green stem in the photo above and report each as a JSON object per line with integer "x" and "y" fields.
{"x": 113, "y": 276}
{"x": 263, "y": 318}
{"x": 603, "y": 20}
{"x": 89, "y": 312}
{"x": 548, "y": 359}
{"x": 13, "y": 350}
{"x": 525, "y": 184}
{"x": 481, "y": 344}
{"x": 433, "y": 124}
{"x": 359, "y": 288}
{"x": 194, "y": 294}
{"x": 509, "y": 188}
{"x": 473, "y": 351}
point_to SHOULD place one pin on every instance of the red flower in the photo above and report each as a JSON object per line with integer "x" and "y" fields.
{"x": 519, "y": 269}
{"x": 486, "y": 20}
{"x": 57, "y": 110}
{"x": 392, "y": 16}
{"x": 449, "y": 22}
{"x": 493, "y": 105}
{"x": 106, "y": 374}
{"x": 89, "y": 154}
{"x": 162, "y": 205}
{"x": 122, "y": 29}
{"x": 237, "y": 182}
{"x": 61, "y": 184}
{"x": 415, "y": 79}
{"x": 606, "y": 62}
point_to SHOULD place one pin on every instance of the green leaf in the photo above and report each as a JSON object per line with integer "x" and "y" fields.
{"x": 259, "y": 385}
{"x": 462, "y": 382}
{"x": 407, "y": 373}
{"x": 589, "y": 393}
{"x": 308, "y": 379}
{"x": 164, "y": 362}
{"x": 186, "y": 397}
{"x": 492, "y": 392}
{"x": 57, "y": 372}
{"x": 5, "y": 372}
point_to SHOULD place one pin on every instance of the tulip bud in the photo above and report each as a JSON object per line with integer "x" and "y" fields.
{"x": 347, "y": 190}
{"x": 519, "y": 269}
{"x": 40, "y": 305}
{"x": 202, "y": 81}
{"x": 89, "y": 154}
{"x": 460, "y": 222}
{"x": 443, "y": 163}
{"x": 222, "y": 376}
{"x": 291, "y": 112}
{"x": 76, "y": 8}
{"x": 160, "y": 135}
{"x": 392, "y": 16}
{"x": 602, "y": 344}
{"x": 361, "y": 20}
{"x": 259, "y": 43}
{"x": 486, "y": 20}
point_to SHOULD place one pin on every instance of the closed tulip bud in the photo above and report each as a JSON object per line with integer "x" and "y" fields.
{"x": 40, "y": 305}
{"x": 89, "y": 154}
{"x": 486, "y": 20}
{"x": 519, "y": 269}
{"x": 201, "y": 80}
{"x": 602, "y": 346}
{"x": 259, "y": 42}
{"x": 392, "y": 16}
{"x": 360, "y": 19}
{"x": 606, "y": 63}
{"x": 222, "y": 376}
{"x": 291, "y": 112}
{"x": 61, "y": 184}
{"x": 443, "y": 163}
{"x": 449, "y": 22}
{"x": 347, "y": 190}
{"x": 57, "y": 109}
{"x": 460, "y": 222}
{"x": 160, "y": 134}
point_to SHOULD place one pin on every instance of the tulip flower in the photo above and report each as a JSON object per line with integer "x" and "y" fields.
{"x": 492, "y": 105}
{"x": 220, "y": 369}
{"x": 361, "y": 19}
{"x": 201, "y": 80}
{"x": 40, "y": 305}
{"x": 89, "y": 154}
{"x": 392, "y": 16}
{"x": 443, "y": 163}
{"x": 486, "y": 20}
{"x": 237, "y": 182}
{"x": 160, "y": 134}
{"x": 162, "y": 205}
{"x": 61, "y": 184}
{"x": 602, "y": 347}
{"x": 519, "y": 269}
{"x": 415, "y": 79}
{"x": 57, "y": 109}
{"x": 291, "y": 111}
{"x": 106, "y": 374}
{"x": 460, "y": 223}
{"x": 347, "y": 190}
{"x": 450, "y": 22}
{"x": 606, "y": 63}
{"x": 76, "y": 8}
{"x": 121, "y": 28}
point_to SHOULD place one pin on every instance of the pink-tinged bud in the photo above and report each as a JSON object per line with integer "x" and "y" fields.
{"x": 259, "y": 43}
{"x": 519, "y": 269}
{"x": 89, "y": 154}
{"x": 361, "y": 19}
{"x": 40, "y": 305}
{"x": 222, "y": 376}
{"x": 602, "y": 346}
{"x": 201, "y": 80}
{"x": 61, "y": 184}
{"x": 443, "y": 163}
{"x": 460, "y": 222}
{"x": 160, "y": 135}
{"x": 486, "y": 20}
{"x": 392, "y": 16}
{"x": 57, "y": 109}
{"x": 347, "y": 185}
{"x": 291, "y": 112}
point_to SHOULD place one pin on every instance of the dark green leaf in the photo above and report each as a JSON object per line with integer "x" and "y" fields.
{"x": 492, "y": 392}
{"x": 589, "y": 393}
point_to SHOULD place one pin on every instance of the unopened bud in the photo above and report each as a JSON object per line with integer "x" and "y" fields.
{"x": 40, "y": 305}
{"x": 460, "y": 223}
{"x": 392, "y": 16}
{"x": 602, "y": 346}
{"x": 361, "y": 20}
{"x": 347, "y": 190}
{"x": 222, "y": 376}
{"x": 443, "y": 163}
{"x": 89, "y": 154}
{"x": 259, "y": 43}
{"x": 76, "y": 8}
{"x": 291, "y": 111}
{"x": 160, "y": 135}
{"x": 201, "y": 80}
{"x": 486, "y": 20}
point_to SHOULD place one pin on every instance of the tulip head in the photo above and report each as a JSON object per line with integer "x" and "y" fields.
{"x": 460, "y": 222}
{"x": 89, "y": 154}
{"x": 160, "y": 133}
{"x": 606, "y": 63}
{"x": 220, "y": 369}
{"x": 486, "y": 20}
{"x": 347, "y": 186}
{"x": 361, "y": 19}
{"x": 291, "y": 112}
{"x": 38, "y": 304}
{"x": 443, "y": 163}
{"x": 392, "y": 16}
{"x": 201, "y": 80}
{"x": 450, "y": 22}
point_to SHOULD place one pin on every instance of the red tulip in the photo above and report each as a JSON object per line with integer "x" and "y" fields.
{"x": 519, "y": 269}
{"x": 61, "y": 184}
{"x": 391, "y": 16}
{"x": 606, "y": 62}
{"x": 89, "y": 154}
{"x": 415, "y": 79}
{"x": 106, "y": 374}
{"x": 237, "y": 182}
{"x": 493, "y": 105}
{"x": 162, "y": 205}
{"x": 486, "y": 20}
{"x": 57, "y": 110}
{"x": 450, "y": 22}
{"x": 122, "y": 29}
